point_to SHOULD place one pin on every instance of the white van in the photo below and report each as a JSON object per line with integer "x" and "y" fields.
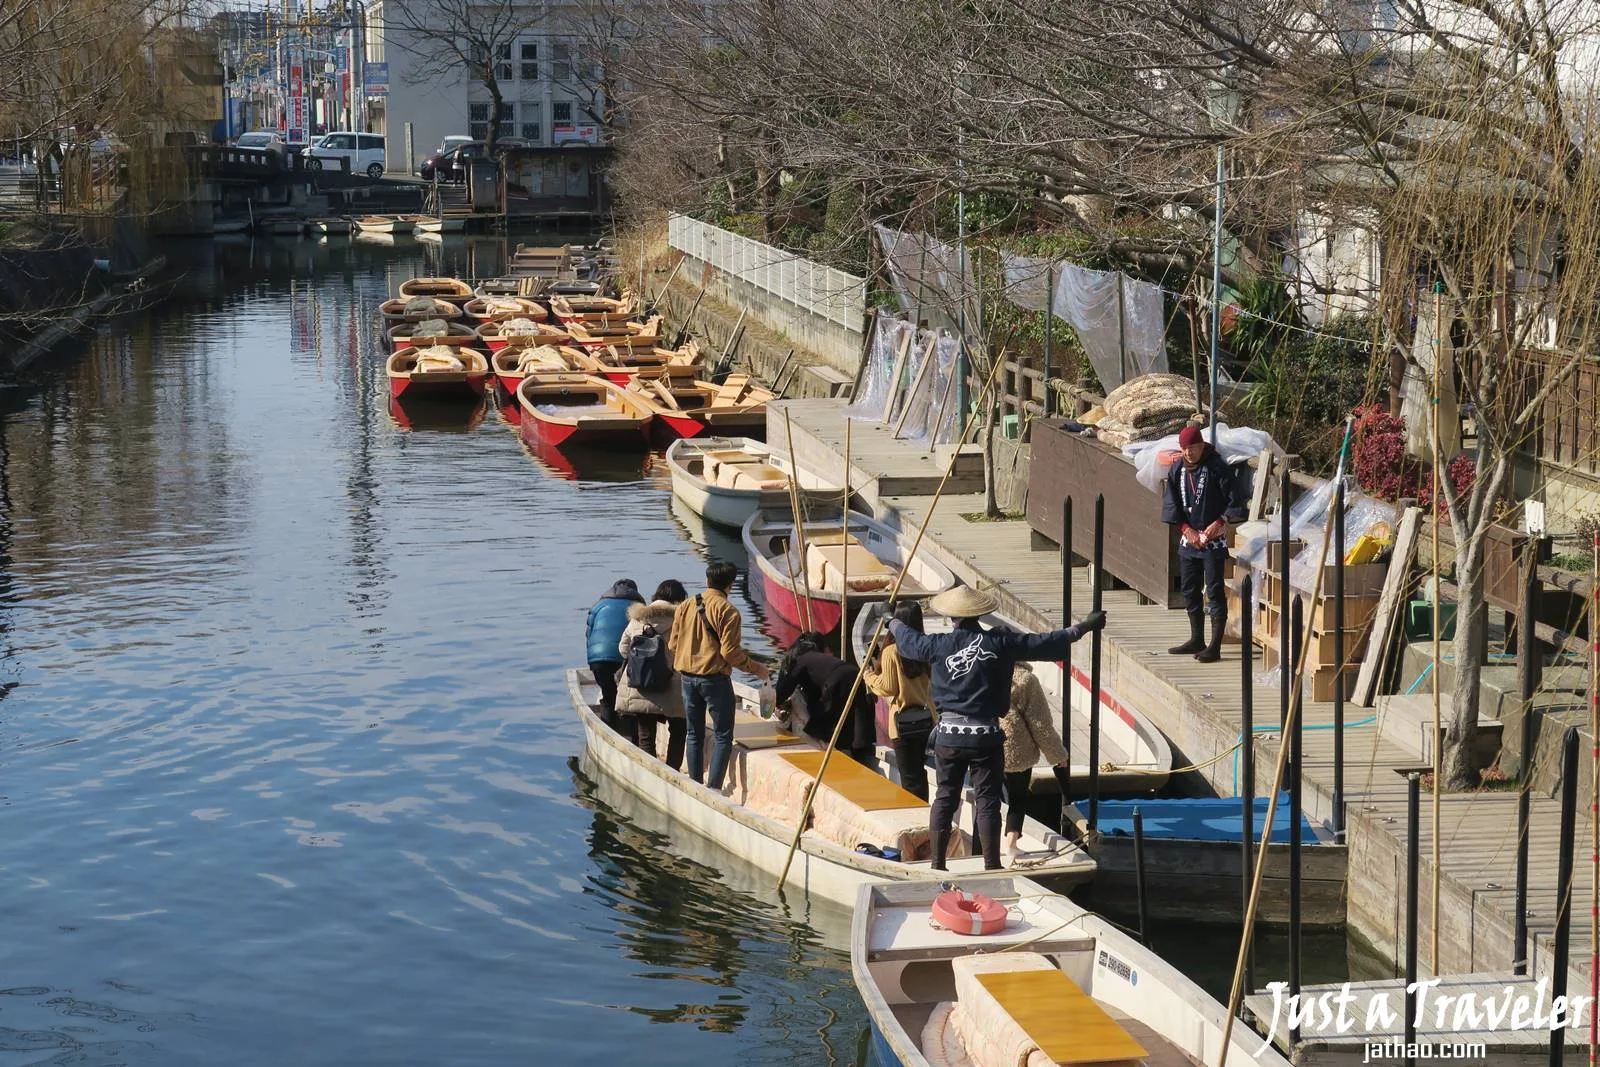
{"x": 363, "y": 150}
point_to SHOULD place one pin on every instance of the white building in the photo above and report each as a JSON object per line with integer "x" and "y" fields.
{"x": 549, "y": 68}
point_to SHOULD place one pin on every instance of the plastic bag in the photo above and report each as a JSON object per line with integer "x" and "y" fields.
{"x": 1152, "y": 459}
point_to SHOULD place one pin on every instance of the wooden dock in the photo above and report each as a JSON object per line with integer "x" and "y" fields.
{"x": 1198, "y": 707}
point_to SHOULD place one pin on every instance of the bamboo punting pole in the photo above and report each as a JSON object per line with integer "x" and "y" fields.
{"x": 797, "y": 538}
{"x": 844, "y": 550}
{"x": 1438, "y": 763}
{"x": 905, "y": 568}
{"x": 1236, "y": 990}
{"x": 1594, "y": 798}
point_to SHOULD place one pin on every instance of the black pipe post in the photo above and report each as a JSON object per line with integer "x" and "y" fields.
{"x": 1569, "y": 828}
{"x": 1413, "y": 859}
{"x": 1247, "y": 758}
{"x": 1094, "y": 664}
{"x": 1066, "y": 662}
{"x": 1138, "y": 874}
{"x": 1284, "y": 636}
{"x": 1529, "y": 663}
{"x": 1338, "y": 658}
{"x": 1296, "y": 756}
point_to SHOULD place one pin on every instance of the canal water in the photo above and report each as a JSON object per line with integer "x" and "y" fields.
{"x": 286, "y": 755}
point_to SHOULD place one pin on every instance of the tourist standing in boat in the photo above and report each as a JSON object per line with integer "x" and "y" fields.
{"x": 972, "y": 671}
{"x": 827, "y": 682}
{"x": 1199, "y": 495}
{"x": 607, "y": 619}
{"x": 707, "y": 647}
{"x": 908, "y": 687}
{"x": 1029, "y": 732}
{"x": 642, "y": 711}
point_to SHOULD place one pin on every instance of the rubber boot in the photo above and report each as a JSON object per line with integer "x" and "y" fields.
{"x": 1213, "y": 652}
{"x": 1197, "y": 636}
{"x": 991, "y": 852}
{"x": 939, "y": 840}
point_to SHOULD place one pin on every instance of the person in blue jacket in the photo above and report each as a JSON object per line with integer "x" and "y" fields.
{"x": 1199, "y": 496}
{"x": 972, "y": 669}
{"x": 607, "y": 619}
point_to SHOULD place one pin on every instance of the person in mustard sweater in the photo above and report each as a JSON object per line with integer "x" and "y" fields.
{"x": 908, "y": 687}
{"x": 1029, "y": 732}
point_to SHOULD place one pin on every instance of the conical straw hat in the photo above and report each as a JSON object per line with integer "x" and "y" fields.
{"x": 963, "y": 602}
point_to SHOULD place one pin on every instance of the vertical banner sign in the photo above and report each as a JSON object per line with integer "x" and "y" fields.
{"x": 297, "y": 103}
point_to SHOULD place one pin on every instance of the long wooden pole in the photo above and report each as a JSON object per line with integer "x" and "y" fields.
{"x": 1438, "y": 763}
{"x": 1594, "y": 798}
{"x": 844, "y": 550}
{"x": 797, "y": 532}
{"x": 1236, "y": 992}
{"x": 905, "y": 568}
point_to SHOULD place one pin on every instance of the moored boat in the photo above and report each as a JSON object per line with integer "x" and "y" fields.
{"x": 512, "y": 365}
{"x": 600, "y": 312}
{"x": 431, "y": 332}
{"x": 692, "y": 408}
{"x": 1135, "y": 757}
{"x": 1052, "y": 984}
{"x": 524, "y": 286}
{"x": 440, "y": 372}
{"x": 807, "y": 591}
{"x": 440, "y": 225}
{"x": 520, "y": 333}
{"x": 626, "y": 364}
{"x": 580, "y": 409}
{"x": 452, "y": 289}
{"x": 418, "y": 309}
{"x": 484, "y": 309}
{"x": 755, "y": 814}
{"x": 726, "y": 480}
{"x": 388, "y": 224}
{"x": 629, "y": 336}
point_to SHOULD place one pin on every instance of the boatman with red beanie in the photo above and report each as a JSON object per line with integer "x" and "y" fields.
{"x": 1200, "y": 494}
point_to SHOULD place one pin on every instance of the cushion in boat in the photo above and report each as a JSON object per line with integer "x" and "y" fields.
{"x": 1011, "y": 1007}
{"x": 499, "y": 305}
{"x": 431, "y": 328}
{"x": 427, "y": 305}
{"x": 826, "y": 566}
{"x": 758, "y": 476}
{"x": 519, "y": 327}
{"x": 439, "y": 358}
{"x": 543, "y": 357}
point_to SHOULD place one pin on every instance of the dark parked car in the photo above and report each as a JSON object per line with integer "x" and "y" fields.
{"x": 451, "y": 164}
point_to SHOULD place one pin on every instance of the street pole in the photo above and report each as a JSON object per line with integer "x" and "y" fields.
{"x": 1216, "y": 294}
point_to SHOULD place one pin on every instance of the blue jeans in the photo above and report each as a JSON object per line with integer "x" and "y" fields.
{"x": 713, "y": 693}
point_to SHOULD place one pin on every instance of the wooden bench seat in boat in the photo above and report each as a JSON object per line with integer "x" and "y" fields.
{"x": 827, "y": 566}
{"x": 1018, "y": 1008}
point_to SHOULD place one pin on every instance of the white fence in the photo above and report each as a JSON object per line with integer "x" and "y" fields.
{"x": 823, "y": 291}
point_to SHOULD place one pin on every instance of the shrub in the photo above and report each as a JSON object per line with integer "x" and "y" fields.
{"x": 1382, "y": 467}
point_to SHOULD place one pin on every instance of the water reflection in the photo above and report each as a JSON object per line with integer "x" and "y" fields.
{"x": 435, "y": 415}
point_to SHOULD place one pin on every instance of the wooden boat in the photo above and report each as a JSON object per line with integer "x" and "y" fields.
{"x": 580, "y": 409}
{"x": 523, "y": 286}
{"x": 871, "y": 552}
{"x": 389, "y": 224}
{"x": 726, "y": 480}
{"x": 1057, "y": 985}
{"x": 623, "y": 365}
{"x": 418, "y": 308}
{"x": 595, "y": 310}
{"x": 753, "y": 817}
{"x": 691, "y": 408}
{"x": 511, "y": 365}
{"x": 500, "y": 308}
{"x": 513, "y": 333}
{"x": 439, "y": 373}
{"x": 447, "y": 224}
{"x": 452, "y": 289}
{"x": 410, "y": 334}
{"x": 1135, "y": 757}
{"x": 628, "y": 336}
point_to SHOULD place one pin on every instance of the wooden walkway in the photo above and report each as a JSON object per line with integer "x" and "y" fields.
{"x": 1199, "y": 707}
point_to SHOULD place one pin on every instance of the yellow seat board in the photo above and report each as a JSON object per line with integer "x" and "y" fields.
{"x": 1063, "y": 1020}
{"x": 753, "y": 732}
{"x": 858, "y": 785}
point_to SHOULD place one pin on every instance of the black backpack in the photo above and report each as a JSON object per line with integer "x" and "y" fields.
{"x": 649, "y": 670}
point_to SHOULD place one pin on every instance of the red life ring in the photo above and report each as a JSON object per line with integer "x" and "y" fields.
{"x": 961, "y": 914}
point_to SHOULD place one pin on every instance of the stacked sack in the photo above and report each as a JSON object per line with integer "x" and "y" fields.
{"x": 1145, "y": 408}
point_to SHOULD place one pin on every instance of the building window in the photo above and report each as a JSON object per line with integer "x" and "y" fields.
{"x": 561, "y": 111}
{"x": 502, "y": 69}
{"x": 531, "y": 132}
{"x": 478, "y": 112}
{"x": 561, "y": 63}
{"x": 530, "y": 62}
{"x": 479, "y": 131}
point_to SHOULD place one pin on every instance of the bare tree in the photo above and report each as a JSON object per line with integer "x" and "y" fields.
{"x": 448, "y": 37}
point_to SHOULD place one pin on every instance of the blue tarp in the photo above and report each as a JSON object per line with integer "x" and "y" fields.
{"x": 1198, "y": 819}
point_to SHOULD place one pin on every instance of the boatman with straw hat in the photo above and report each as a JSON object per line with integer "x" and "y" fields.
{"x": 971, "y": 668}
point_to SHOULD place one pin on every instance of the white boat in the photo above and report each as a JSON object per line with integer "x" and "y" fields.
{"x": 445, "y": 224}
{"x": 767, "y": 781}
{"x": 388, "y": 224}
{"x": 1135, "y": 757}
{"x": 1057, "y": 985}
{"x": 726, "y": 480}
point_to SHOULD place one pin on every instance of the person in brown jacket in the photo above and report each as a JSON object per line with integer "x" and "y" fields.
{"x": 1029, "y": 732}
{"x": 706, "y": 648}
{"x": 908, "y": 687}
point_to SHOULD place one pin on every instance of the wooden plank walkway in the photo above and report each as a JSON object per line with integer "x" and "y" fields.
{"x": 1199, "y": 707}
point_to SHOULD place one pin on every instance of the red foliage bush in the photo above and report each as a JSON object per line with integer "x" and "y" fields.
{"x": 1382, "y": 468}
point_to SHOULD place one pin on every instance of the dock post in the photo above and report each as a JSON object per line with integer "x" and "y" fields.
{"x": 1413, "y": 856}
{"x": 1338, "y": 657}
{"x": 1049, "y": 337}
{"x": 1095, "y": 646}
{"x": 1138, "y": 875}
{"x": 1569, "y": 832}
{"x": 1296, "y": 756}
{"x": 1529, "y": 663}
{"x": 1066, "y": 661}
{"x": 1247, "y": 756}
{"x": 1284, "y": 635}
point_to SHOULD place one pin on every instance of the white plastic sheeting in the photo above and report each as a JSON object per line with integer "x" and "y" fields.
{"x": 1152, "y": 459}
{"x": 1088, "y": 300}
{"x": 923, "y": 398}
{"x": 929, "y": 277}
{"x": 872, "y": 395}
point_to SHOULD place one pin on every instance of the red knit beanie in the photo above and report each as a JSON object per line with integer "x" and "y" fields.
{"x": 1190, "y": 435}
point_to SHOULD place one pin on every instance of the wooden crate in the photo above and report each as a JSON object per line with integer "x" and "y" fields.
{"x": 1318, "y": 650}
{"x": 1358, "y": 612}
{"x": 1318, "y": 681}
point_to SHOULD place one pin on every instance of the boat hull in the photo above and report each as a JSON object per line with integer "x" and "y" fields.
{"x": 559, "y": 434}
{"x": 814, "y": 613}
{"x": 458, "y": 387}
{"x": 734, "y": 507}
